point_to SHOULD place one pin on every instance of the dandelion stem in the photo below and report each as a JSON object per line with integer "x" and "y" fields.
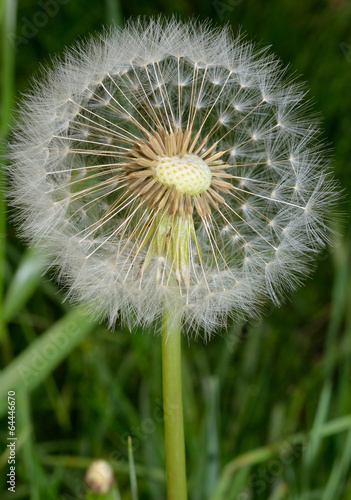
{"x": 173, "y": 405}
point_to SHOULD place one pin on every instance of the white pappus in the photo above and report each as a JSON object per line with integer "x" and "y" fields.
{"x": 170, "y": 160}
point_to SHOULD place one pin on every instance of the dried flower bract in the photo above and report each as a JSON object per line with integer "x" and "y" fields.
{"x": 172, "y": 161}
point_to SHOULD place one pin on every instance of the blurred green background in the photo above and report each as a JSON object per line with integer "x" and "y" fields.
{"x": 268, "y": 404}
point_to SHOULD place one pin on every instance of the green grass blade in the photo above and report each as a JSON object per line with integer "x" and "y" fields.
{"x": 8, "y": 28}
{"x": 120, "y": 467}
{"x": 8, "y": 12}
{"x": 315, "y": 440}
{"x": 339, "y": 295}
{"x": 23, "y": 284}
{"x": 238, "y": 486}
{"x": 339, "y": 472}
{"x": 150, "y": 439}
{"x": 132, "y": 472}
{"x": 33, "y": 365}
{"x": 28, "y": 455}
{"x": 211, "y": 392}
{"x": 280, "y": 492}
{"x": 263, "y": 454}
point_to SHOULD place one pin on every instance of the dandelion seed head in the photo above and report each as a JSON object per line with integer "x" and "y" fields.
{"x": 170, "y": 160}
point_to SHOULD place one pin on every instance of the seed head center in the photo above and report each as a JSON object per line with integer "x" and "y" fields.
{"x": 189, "y": 173}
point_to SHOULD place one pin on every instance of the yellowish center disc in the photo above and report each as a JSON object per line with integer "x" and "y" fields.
{"x": 189, "y": 174}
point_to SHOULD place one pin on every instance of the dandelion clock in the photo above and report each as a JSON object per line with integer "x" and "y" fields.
{"x": 169, "y": 171}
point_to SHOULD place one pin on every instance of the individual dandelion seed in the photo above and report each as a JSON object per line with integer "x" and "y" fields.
{"x": 170, "y": 159}
{"x": 169, "y": 169}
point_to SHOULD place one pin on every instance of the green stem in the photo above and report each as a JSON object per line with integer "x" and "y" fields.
{"x": 173, "y": 406}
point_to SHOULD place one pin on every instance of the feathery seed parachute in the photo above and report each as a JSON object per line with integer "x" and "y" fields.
{"x": 171, "y": 161}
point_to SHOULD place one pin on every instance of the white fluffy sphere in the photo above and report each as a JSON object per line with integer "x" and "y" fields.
{"x": 218, "y": 240}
